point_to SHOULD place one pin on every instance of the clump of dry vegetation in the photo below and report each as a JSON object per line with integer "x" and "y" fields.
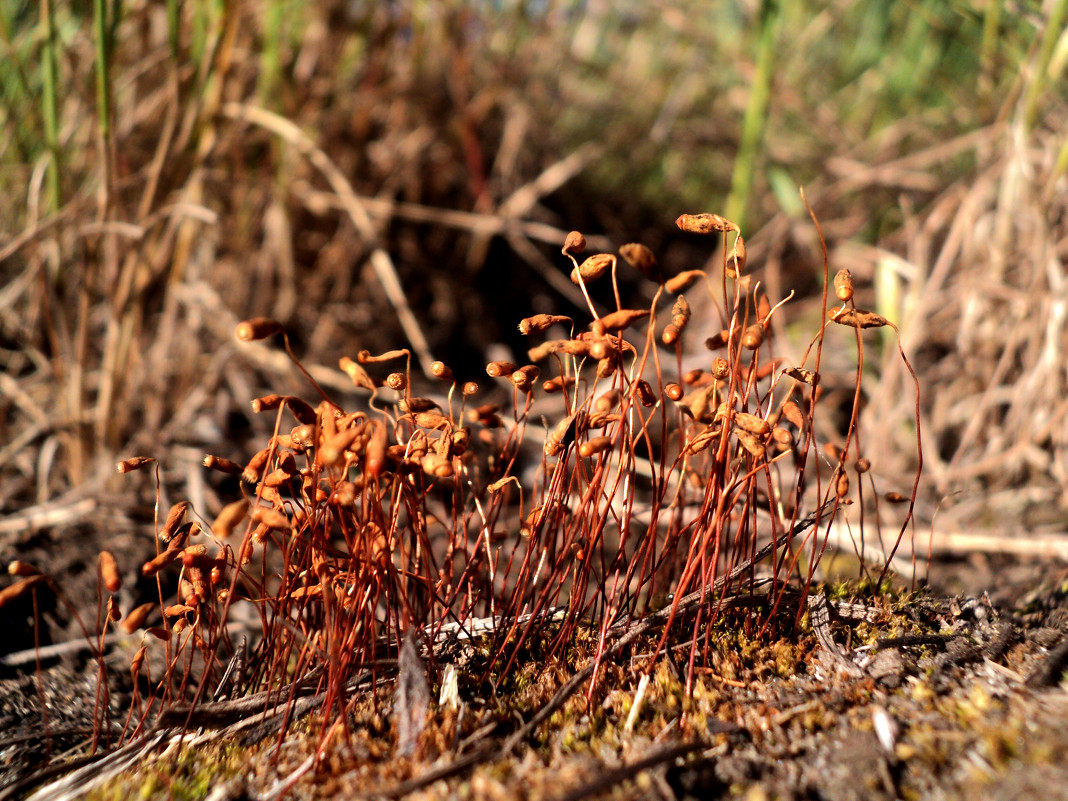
{"x": 364, "y": 534}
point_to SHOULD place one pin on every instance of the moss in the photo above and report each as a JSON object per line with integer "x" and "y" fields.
{"x": 785, "y": 709}
{"x": 190, "y": 773}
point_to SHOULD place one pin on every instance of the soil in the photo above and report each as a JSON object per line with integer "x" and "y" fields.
{"x": 955, "y": 691}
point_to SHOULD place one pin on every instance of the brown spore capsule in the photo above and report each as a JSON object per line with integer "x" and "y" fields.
{"x": 561, "y": 436}
{"x": 680, "y": 312}
{"x": 593, "y": 446}
{"x": 843, "y": 285}
{"x": 436, "y": 466}
{"x": 738, "y": 257}
{"x": 683, "y": 281}
{"x": 644, "y": 391}
{"x": 254, "y": 468}
{"x": 593, "y": 268}
{"x": 523, "y": 379}
{"x": 160, "y": 561}
{"x": 366, "y": 357}
{"x": 137, "y": 661}
{"x": 598, "y": 350}
{"x": 333, "y": 449}
{"x": 607, "y": 401}
{"x": 574, "y": 243}
{"x": 721, "y": 368}
{"x": 641, "y": 259}
{"x": 375, "y": 453}
{"x": 753, "y": 337}
{"x": 618, "y": 320}
{"x": 857, "y": 318}
{"x": 557, "y": 383}
{"x": 354, "y": 371}
{"x": 705, "y": 223}
{"x": 267, "y": 403}
{"x": 782, "y": 436}
{"x": 541, "y": 322}
{"x": 801, "y": 374}
{"x": 752, "y": 423}
{"x": 137, "y": 618}
{"x": 257, "y": 328}
{"x": 792, "y": 412}
{"x": 417, "y": 405}
{"x": 542, "y": 351}
{"x": 133, "y": 463}
{"x": 174, "y": 519}
{"x": 607, "y": 366}
{"x": 19, "y": 588}
{"x": 303, "y": 435}
{"x": 718, "y": 340}
{"x": 441, "y": 371}
{"x": 222, "y": 464}
{"x": 500, "y": 369}
{"x": 842, "y": 485}
{"x": 751, "y": 442}
{"x": 109, "y": 572}
{"x": 271, "y": 518}
{"x": 22, "y": 569}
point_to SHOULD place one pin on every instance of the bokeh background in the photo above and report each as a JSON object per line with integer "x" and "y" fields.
{"x": 387, "y": 174}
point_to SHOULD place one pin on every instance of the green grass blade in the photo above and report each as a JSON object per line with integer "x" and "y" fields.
{"x": 755, "y": 120}
{"x": 50, "y": 102}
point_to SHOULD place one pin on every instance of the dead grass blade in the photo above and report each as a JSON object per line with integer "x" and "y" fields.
{"x": 380, "y": 259}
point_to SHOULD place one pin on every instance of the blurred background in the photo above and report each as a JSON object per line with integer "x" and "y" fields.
{"x": 387, "y": 174}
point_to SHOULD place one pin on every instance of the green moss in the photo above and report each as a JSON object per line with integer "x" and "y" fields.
{"x": 188, "y": 774}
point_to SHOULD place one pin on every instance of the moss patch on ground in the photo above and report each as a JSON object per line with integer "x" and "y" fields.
{"x": 944, "y": 701}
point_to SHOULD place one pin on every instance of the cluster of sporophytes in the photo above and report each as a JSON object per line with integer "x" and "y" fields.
{"x": 419, "y": 517}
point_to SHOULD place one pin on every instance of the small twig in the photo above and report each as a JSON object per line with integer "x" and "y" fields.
{"x": 1047, "y": 673}
{"x": 317, "y": 201}
{"x": 1044, "y": 546}
{"x": 92, "y": 775}
{"x": 57, "y": 513}
{"x": 820, "y": 618}
{"x": 860, "y": 612}
{"x": 445, "y": 771}
{"x": 910, "y": 640}
{"x": 75, "y": 646}
{"x": 613, "y": 777}
{"x": 506, "y": 222}
{"x": 286, "y": 785}
{"x": 224, "y": 712}
{"x": 30, "y": 655}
